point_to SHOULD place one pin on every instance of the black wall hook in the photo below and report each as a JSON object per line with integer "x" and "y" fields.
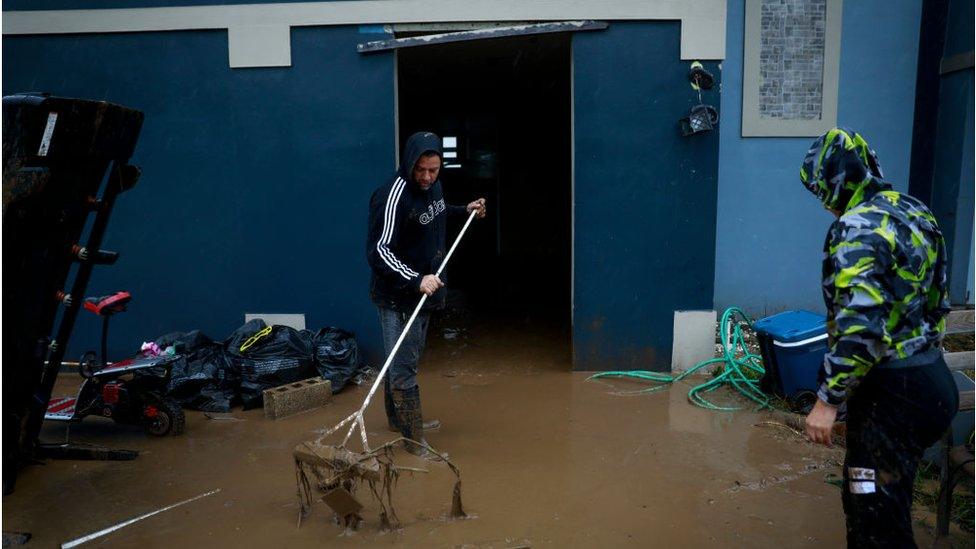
{"x": 701, "y": 77}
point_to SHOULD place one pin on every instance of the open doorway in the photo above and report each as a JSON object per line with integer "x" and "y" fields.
{"x": 504, "y": 108}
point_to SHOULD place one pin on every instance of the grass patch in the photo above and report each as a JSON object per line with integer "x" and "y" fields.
{"x": 954, "y": 343}
{"x": 926, "y": 495}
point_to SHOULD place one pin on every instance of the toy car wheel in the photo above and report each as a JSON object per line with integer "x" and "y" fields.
{"x": 164, "y": 417}
{"x": 88, "y": 364}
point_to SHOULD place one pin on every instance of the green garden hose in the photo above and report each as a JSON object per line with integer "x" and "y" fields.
{"x": 740, "y": 368}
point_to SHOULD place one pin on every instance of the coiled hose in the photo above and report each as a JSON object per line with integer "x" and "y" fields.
{"x": 740, "y": 369}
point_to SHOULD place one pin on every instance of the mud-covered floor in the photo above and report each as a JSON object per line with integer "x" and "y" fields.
{"x": 547, "y": 459}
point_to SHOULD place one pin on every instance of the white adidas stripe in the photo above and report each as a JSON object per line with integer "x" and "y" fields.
{"x": 390, "y": 206}
{"x": 390, "y": 222}
{"x": 386, "y": 235}
{"x": 389, "y": 217}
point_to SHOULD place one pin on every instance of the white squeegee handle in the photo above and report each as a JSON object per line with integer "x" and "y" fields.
{"x": 416, "y": 311}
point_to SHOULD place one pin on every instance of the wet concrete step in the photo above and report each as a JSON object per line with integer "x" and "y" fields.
{"x": 960, "y": 321}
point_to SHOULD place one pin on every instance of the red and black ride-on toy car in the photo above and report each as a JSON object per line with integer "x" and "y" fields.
{"x": 128, "y": 391}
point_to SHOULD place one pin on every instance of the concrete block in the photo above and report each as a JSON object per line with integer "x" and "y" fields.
{"x": 694, "y": 339}
{"x": 289, "y": 399}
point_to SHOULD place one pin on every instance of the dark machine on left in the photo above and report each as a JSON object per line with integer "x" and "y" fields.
{"x": 65, "y": 161}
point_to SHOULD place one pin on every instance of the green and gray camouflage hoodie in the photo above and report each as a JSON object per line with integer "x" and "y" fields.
{"x": 884, "y": 269}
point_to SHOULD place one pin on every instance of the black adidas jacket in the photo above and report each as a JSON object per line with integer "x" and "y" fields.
{"x": 407, "y": 232}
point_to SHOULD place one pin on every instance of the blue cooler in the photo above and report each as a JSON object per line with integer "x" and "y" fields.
{"x": 793, "y": 345}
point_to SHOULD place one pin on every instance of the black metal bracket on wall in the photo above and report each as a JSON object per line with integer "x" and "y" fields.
{"x": 480, "y": 34}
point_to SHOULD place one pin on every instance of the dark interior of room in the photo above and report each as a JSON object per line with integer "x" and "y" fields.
{"x": 507, "y": 103}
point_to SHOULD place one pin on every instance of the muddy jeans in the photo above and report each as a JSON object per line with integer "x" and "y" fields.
{"x": 403, "y": 370}
{"x": 894, "y": 415}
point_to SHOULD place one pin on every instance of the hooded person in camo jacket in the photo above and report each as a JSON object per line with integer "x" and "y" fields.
{"x": 884, "y": 284}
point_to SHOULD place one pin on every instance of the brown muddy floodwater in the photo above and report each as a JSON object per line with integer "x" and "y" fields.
{"x": 547, "y": 460}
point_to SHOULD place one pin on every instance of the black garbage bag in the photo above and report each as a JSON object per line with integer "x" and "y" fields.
{"x": 240, "y": 336}
{"x": 268, "y": 358}
{"x": 200, "y": 376}
{"x": 210, "y": 399}
{"x": 204, "y": 380}
{"x": 184, "y": 343}
{"x": 336, "y": 356}
{"x": 212, "y": 376}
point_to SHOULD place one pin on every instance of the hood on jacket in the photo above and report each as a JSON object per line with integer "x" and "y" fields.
{"x": 417, "y": 144}
{"x": 841, "y": 170}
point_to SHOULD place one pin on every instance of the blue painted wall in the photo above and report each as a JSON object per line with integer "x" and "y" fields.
{"x": 255, "y": 181}
{"x": 644, "y": 196}
{"x": 770, "y": 229}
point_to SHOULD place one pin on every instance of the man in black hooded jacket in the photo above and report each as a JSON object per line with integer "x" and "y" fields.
{"x": 405, "y": 246}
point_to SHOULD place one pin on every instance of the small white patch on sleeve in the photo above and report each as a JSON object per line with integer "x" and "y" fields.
{"x": 860, "y": 473}
{"x": 862, "y": 487}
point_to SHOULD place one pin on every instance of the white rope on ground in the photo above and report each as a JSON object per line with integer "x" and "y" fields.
{"x": 110, "y": 529}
